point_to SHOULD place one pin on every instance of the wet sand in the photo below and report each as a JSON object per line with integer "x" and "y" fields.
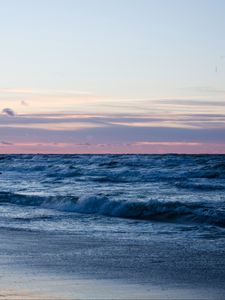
{"x": 42, "y": 265}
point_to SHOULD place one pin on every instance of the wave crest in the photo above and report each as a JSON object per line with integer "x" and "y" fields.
{"x": 153, "y": 210}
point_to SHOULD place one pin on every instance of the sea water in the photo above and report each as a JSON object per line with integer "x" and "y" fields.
{"x": 134, "y": 195}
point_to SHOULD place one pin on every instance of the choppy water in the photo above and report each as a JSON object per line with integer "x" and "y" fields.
{"x": 114, "y": 193}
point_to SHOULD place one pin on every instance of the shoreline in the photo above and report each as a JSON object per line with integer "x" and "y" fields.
{"x": 74, "y": 266}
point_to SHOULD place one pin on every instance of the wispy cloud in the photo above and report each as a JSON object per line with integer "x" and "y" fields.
{"x": 54, "y": 92}
{"x": 9, "y": 112}
{"x": 115, "y": 133}
{"x": 85, "y": 148}
{"x": 6, "y": 143}
{"x": 24, "y": 103}
{"x": 78, "y": 121}
{"x": 205, "y": 90}
{"x": 159, "y": 125}
{"x": 146, "y": 143}
{"x": 193, "y": 102}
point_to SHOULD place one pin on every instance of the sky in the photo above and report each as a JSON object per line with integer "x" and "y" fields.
{"x": 112, "y": 76}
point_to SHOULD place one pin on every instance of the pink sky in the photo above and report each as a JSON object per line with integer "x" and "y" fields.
{"x": 34, "y": 125}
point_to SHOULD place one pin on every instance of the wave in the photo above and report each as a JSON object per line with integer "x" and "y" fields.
{"x": 127, "y": 170}
{"x": 152, "y": 210}
{"x": 121, "y": 168}
{"x": 199, "y": 186}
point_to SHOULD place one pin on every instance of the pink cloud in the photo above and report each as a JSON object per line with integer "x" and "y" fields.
{"x": 139, "y": 147}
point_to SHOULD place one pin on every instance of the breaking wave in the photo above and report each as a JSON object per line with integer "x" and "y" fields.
{"x": 153, "y": 210}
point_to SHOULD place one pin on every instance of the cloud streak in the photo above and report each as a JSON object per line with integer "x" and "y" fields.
{"x": 158, "y": 126}
{"x": 6, "y": 143}
{"x": 9, "y": 112}
{"x": 29, "y": 91}
{"x": 105, "y": 136}
{"x": 24, "y": 103}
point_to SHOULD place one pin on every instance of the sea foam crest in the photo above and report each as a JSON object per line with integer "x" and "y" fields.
{"x": 155, "y": 210}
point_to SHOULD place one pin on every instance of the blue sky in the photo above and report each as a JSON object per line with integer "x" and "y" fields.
{"x": 98, "y": 58}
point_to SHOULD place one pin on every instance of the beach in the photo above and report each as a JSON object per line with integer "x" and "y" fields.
{"x": 61, "y": 266}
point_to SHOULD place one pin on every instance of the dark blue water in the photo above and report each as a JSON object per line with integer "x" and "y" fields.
{"x": 145, "y": 193}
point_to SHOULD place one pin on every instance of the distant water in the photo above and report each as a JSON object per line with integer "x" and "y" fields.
{"x": 134, "y": 194}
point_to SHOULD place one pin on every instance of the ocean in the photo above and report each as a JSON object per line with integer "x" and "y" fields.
{"x": 59, "y": 192}
{"x": 146, "y": 206}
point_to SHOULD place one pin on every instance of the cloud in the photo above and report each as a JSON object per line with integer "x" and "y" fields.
{"x": 8, "y": 111}
{"x": 116, "y": 148}
{"x": 205, "y": 90}
{"x": 116, "y": 133}
{"x": 24, "y": 103}
{"x": 64, "y": 122}
{"x": 28, "y": 91}
{"x": 192, "y": 102}
{"x": 6, "y": 143}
